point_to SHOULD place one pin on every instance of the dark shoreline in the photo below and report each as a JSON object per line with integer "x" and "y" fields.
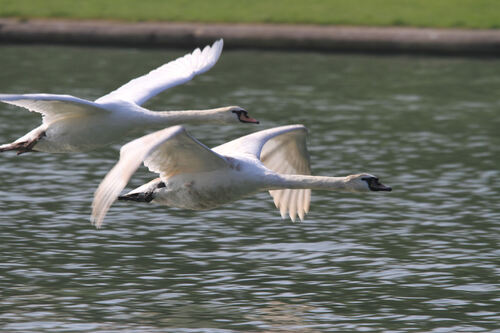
{"x": 371, "y": 40}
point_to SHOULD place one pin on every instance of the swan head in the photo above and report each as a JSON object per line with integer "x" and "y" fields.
{"x": 365, "y": 182}
{"x": 242, "y": 115}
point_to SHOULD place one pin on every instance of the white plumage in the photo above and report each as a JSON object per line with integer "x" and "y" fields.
{"x": 193, "y": 176}
{"x": 74, "y": 124}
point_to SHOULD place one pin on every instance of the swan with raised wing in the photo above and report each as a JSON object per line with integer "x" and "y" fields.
{"x": 72, "y": 124}
{"x": 193, "y": 176}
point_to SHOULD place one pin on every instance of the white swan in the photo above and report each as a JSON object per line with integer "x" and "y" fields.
{"x": 193, "y": 176}
{"x": 72, "y": 124}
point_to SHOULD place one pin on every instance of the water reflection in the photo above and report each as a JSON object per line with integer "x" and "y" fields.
{"x": 422, "y": 258}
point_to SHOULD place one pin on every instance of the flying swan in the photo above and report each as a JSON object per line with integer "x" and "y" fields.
{"x": 72, "y": 124}
{"x": 193, "y": 176}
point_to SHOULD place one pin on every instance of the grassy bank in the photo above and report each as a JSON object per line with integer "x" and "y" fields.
{"x": 419, "y": 13}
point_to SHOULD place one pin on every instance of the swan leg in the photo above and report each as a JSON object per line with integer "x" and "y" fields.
{"x": 144, "y": 193}
{"x": 139, "y": 197}
{"x": 23, "y": 146}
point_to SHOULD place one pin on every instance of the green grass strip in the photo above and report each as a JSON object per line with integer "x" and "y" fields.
{"x": 418, "y": 13}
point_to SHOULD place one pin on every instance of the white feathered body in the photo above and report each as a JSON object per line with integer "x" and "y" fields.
{"x": 72, "y": 124}
{"x": 193, "y": 176}
{"x": 208, "y": 190}
{"x": 73, "y": 132}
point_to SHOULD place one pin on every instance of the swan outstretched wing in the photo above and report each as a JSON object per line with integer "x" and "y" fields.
{"x": 252, "y": 143}
{"x": 168, "y": 152}
{"x": 283, "y": 150}
{"x": 169, "y": 75}
{"x": 287, "y": 154}
{"x": 53, "y": 107}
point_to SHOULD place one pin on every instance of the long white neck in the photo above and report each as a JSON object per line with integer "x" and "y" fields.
{"x": 283, "y": 181}
{"x": 169, "y": 118}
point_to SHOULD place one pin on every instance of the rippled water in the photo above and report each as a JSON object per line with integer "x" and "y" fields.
{"x": 422, "y": 258}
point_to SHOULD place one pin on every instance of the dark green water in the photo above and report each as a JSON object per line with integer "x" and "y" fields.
{"x": 423, "y": 258}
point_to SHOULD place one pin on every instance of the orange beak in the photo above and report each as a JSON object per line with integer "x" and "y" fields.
{"x": 245, "y": 119}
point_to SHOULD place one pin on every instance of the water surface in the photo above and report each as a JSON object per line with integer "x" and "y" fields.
{"x": 421, "y": 258}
